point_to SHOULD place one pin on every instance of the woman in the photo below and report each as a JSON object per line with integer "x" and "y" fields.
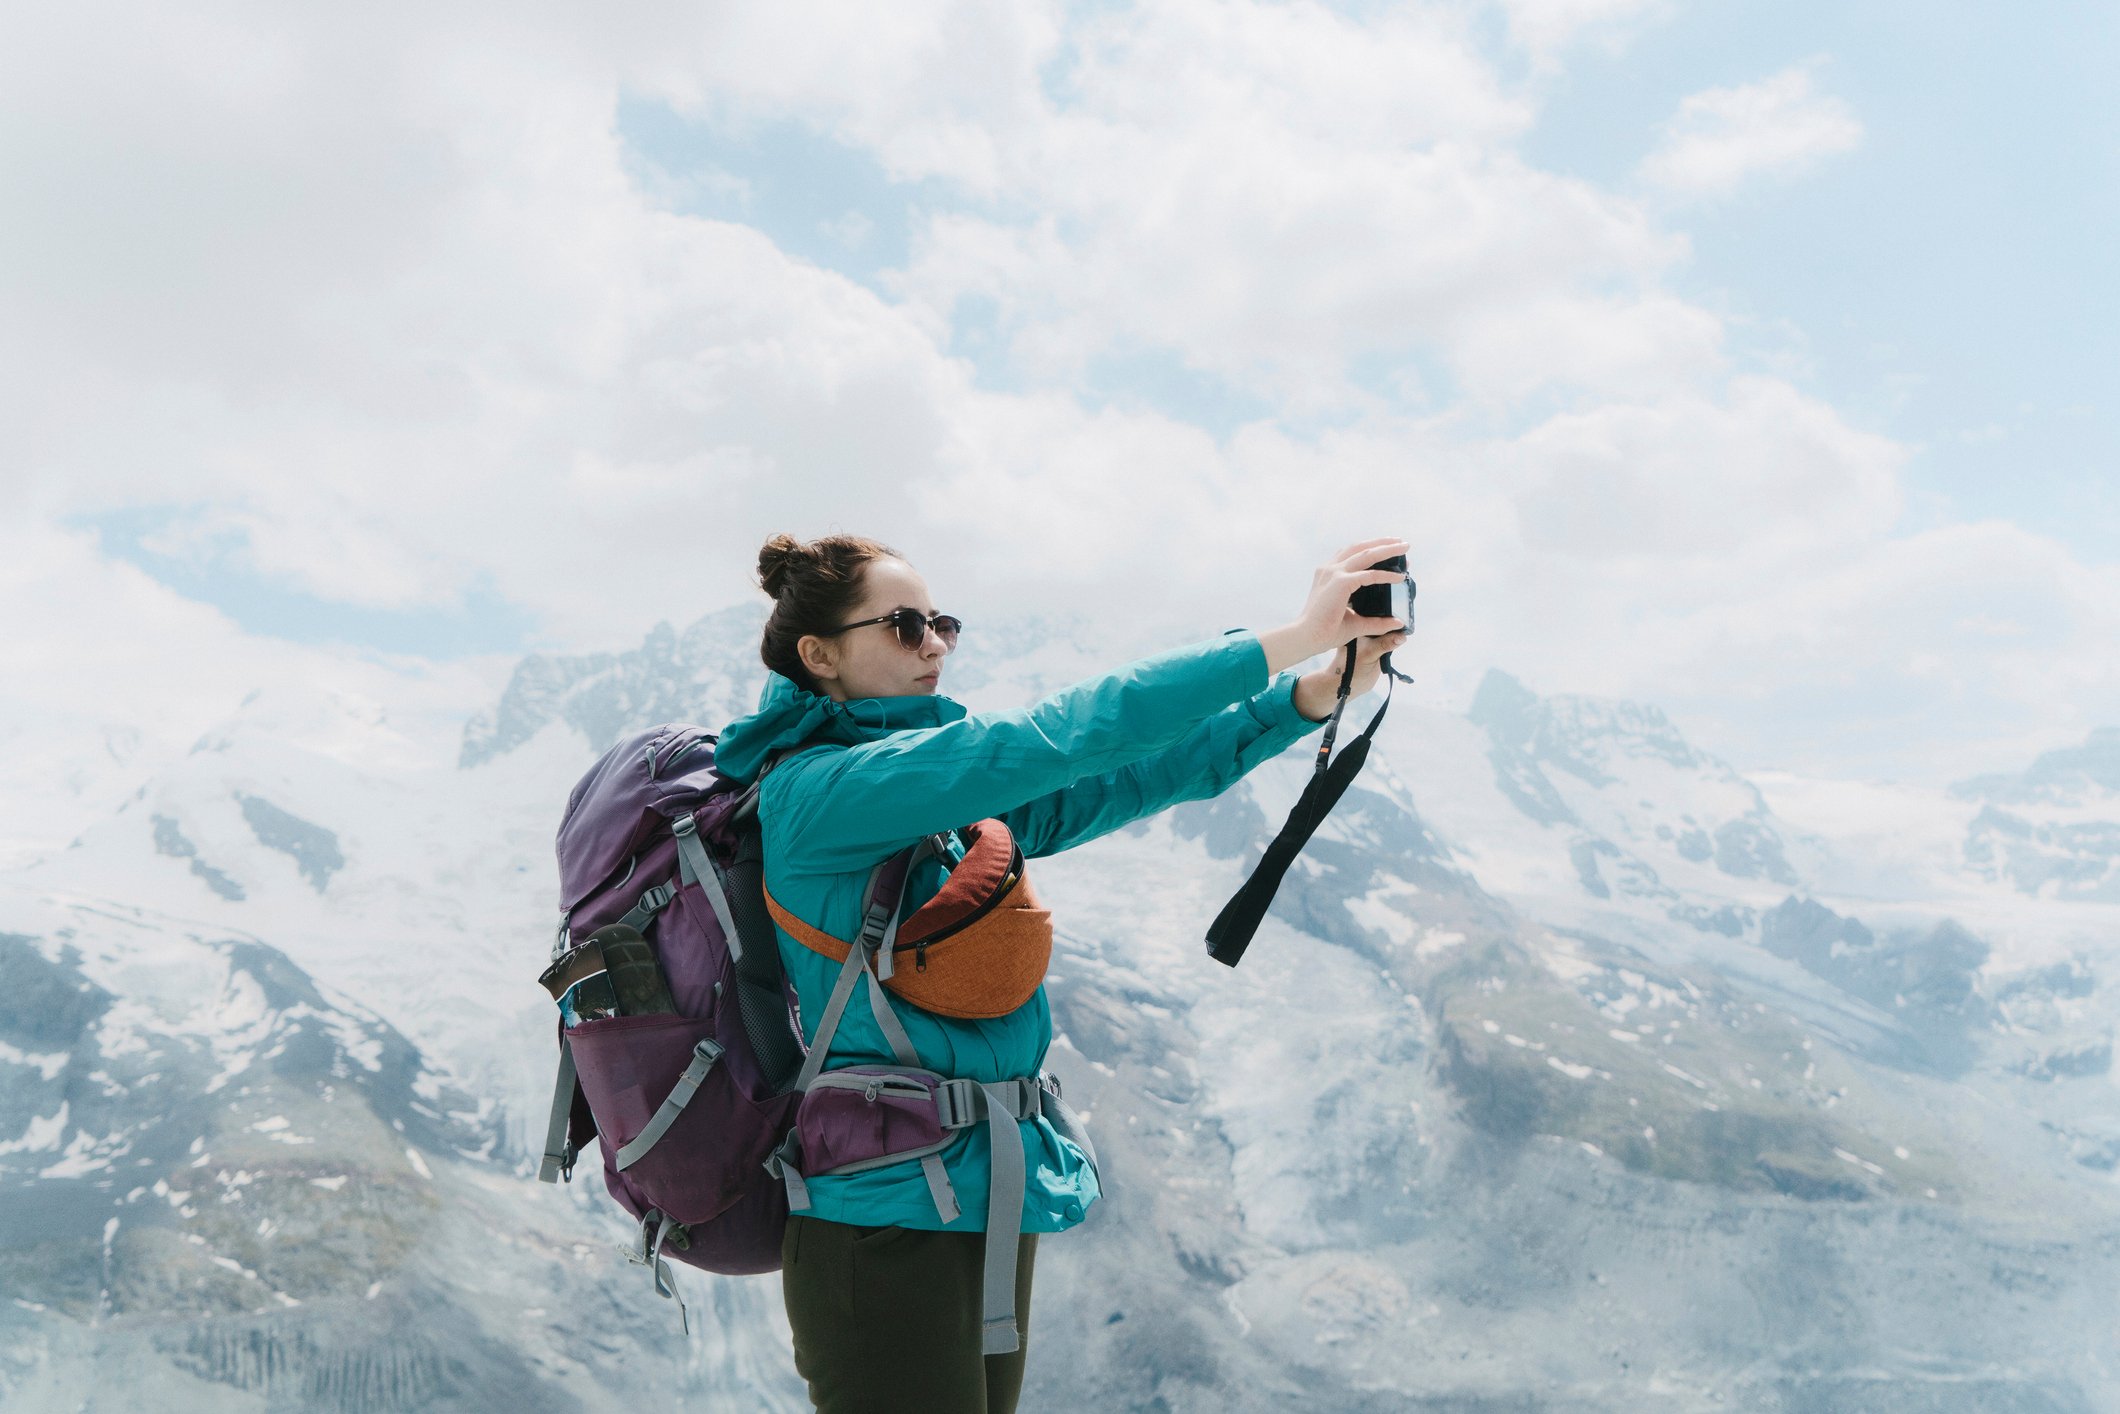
{"x": 867, "y": 757}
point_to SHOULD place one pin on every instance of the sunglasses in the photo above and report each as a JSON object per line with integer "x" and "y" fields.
{"x": 911, "y": 626}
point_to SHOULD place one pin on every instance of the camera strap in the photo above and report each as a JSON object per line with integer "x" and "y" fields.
{"x": 1231, "y": 932}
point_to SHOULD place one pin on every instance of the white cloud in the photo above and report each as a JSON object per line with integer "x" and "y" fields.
{"x": 1939, "y": 654}
{"x": 1764, "y": 477}
{"x": 1545, "y": 27}
{"x": 378, "y": 298}
{"x": 1272, "y": 193}
{"x": 1721, "y": 137}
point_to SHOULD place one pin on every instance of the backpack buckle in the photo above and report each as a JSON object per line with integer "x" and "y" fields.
{"x": 954, "y": 1104}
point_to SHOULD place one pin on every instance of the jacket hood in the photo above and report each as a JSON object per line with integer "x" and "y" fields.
{"x": 789, "y": 716}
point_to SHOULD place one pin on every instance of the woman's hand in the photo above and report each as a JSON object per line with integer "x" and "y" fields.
{"x": 1328, "y": 620}
{"x": 1317, "y": 691}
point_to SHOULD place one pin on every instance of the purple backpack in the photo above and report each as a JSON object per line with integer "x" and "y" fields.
{"x": 686, "y": 1105}
{"x": 707, "y": 1110}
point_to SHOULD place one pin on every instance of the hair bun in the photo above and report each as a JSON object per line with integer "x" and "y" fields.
{"x": 775, "y": 561}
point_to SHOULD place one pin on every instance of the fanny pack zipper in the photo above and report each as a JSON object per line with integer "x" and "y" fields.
{"x": 1007, "y": 886}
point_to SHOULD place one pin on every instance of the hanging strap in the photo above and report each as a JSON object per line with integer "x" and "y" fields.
{"x": 656, "y": 1227}
{"x": 558, "y": 1161}
{"x": 1004, "y": 1213}
{"x": 785, "y": 1164}
{"x": 1231, "y": 932}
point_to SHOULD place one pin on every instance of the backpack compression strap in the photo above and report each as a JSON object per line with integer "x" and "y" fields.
{"x": 1231, "y": 932}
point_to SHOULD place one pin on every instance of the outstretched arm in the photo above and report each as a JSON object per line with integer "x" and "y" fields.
{"x": 1208, "y": 760}
{"x": 845, "y": 808}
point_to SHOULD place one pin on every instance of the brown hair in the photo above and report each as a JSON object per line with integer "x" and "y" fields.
{"x": 814, "y": 585}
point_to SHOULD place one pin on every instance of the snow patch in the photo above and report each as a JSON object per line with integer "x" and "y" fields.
{"x": 43, "y": 1133}
{"x": 46, "y": 1063}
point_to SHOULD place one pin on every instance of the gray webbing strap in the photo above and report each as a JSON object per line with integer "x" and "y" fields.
{"x": 558, "y": 1162}
{"x": 785, "y": 1164}
{"x": 828, "y": 1025}
{"x": 647, "y": 1252}
{"x": 887, "y": 1018}
{"x": 704, "y": 1055}
{"x": 1004, "y": 1218}
{"x": 938, "y": 1178}
{"x": 695, "y": 866}
{"x": 652, "y": 902}
{"x": 884, "y": 944}
{"x": 880, "y": 927}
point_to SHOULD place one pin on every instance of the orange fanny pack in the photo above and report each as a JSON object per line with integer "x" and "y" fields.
{"x": 977, "y": 949}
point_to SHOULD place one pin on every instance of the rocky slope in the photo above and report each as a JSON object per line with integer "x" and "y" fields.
{"x": 1570, "y": 1073}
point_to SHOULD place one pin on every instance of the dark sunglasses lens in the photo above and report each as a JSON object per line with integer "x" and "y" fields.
{"x": 912, "y": 628}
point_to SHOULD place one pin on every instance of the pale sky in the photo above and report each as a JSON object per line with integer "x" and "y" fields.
{"x": 1750, "y": 359}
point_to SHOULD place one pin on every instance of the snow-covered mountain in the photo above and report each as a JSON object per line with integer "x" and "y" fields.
{"x": 1574, "y": 1070}
{"x": 2053, "y": 830}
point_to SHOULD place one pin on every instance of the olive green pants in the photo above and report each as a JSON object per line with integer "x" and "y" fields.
{"x": 886, "y": 1319}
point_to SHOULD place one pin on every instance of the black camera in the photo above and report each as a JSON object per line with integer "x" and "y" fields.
{"x": 1387, "y": 601}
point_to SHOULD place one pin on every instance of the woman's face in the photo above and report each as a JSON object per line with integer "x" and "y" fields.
{"x": 869, "y": 661}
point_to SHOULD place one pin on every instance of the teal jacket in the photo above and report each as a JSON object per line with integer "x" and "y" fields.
{"x": 875, "y": 774}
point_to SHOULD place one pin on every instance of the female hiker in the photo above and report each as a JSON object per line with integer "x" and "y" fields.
{"x": 890, "y": 1294}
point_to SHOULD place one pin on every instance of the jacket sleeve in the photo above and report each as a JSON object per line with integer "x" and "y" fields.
{"x": 1208, "y": 760}
{"x": 845, "y": 809}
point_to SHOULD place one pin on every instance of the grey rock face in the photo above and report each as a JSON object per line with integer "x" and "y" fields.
{"x": 1928, "y": 981}
{"x": 50, "y": 1004}
{"x": 170, "y": 840}
{"x": 700, "y": 675}
{"x": 2031, "y": 832}
{"x": 1575, "y": 733}
{"x": 2056, "y": 777}
{"x": 314, "y": 849}
{"x": 1536, "y": 744}
{"x": 2075, "y": 859}
{"x": 1749, "y": 849}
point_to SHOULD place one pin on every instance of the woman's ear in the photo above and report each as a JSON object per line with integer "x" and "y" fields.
{"x": 819, "y": 656}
